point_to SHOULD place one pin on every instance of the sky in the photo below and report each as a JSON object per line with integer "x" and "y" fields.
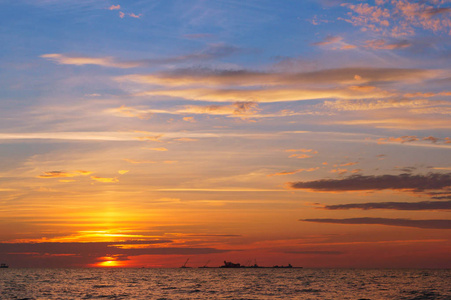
{"x": 145, "y": 133}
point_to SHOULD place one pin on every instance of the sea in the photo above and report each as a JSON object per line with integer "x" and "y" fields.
{"x": 218, "y": 283}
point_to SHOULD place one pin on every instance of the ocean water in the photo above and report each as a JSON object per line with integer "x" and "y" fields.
{"x": 215, "y": 283}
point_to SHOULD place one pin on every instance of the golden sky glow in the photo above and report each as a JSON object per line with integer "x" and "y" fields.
{"x": 315, "y": 133}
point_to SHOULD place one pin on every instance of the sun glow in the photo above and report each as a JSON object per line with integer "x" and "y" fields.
{"x": 110, "y": 262}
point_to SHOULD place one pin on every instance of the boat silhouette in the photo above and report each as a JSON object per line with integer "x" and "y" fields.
{"x": 184, "y": 265}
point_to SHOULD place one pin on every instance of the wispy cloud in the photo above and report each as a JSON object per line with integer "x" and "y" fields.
{"x": 401, "y": 123}
{"x": 417, "y": 183}
{"x": 293, "y": 172}
{"x": 381, "y": 44}
{"x": 132, "y": 161}
{"x": 158, "y": 149}
{"x": 238, "y": 109}
{"x": 63, "y": 174}
{"x": 329, "y": 40}
{"x": 424, "y": 205}
{"x": 105, "y": 179}
{"x": 85, "y": 60}
{"x": 425, "y": 224}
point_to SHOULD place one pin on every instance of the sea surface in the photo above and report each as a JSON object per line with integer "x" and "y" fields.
{"x": 215, "y": 283}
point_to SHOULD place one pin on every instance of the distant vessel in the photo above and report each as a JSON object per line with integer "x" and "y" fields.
{"x": 289, "y": 266}
{"x": 184, "y": 265}
{"x": 228, "y": 264}
{"x": 205, "y": 266}
{"x": 3, "y": 266}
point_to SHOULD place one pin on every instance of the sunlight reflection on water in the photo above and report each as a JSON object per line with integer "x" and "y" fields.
{"x": 213, "y": 283}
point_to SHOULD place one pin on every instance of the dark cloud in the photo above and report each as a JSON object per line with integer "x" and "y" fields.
{"x": 427, "y": 224}
{"x": 441, "y": 197}
{"x": 424, "y": 205}
{"x": 417, "y": 183}
{"x": 316, "y": 252}
{"x": 82, "y": 254}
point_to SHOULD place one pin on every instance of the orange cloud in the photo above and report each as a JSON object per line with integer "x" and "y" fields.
{"x": 63, "y": 174}
{"x": 293, "y": 172}
{"x": 339, "y": 171}
{"x": 104, "y": 179}
{"x": 268, "y": 95}
{"x": 426, "y": 95}
{"x": 189, "y": 119}
{"x": 402, "y": 139}
{"x": 401, "y": 123}
{"x": 209, "y": 77}
{"x": 122, "y": 172}
{"x": 135, "y": 16}
{"x": 114, "y": 7}
{"x": 132, "y": 161}
{"x": 300, "y": 156}
{"x": 186, "y": 140}
{"x": 158, "y": 149}
{"x": 302, "y": 150}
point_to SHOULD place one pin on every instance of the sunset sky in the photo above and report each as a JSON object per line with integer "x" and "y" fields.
{"x": 143, "y": 133}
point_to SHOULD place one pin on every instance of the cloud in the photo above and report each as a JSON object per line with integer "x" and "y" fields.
{"x": 132, "y": 161}
{"x": 293, "y": 172}
{"x": 186, "y": 140}
{"x": 122, "y": 172}
{"x": 401, "y": 139}
{"x": 85, "y": 60}
{"x": 268, "y": 95}
{"x": 158, "y": 149}
{"x": 53, "y": 254}
{"x": 339, "y": 171}
{"x": 363, "y": 105}
{"x": 121, "y": 15}
{"x": 401, "y": 123}
{"x": 63, "y": 174}
{"x": 189, "y": 119}
{"x": 302, "y": 150}
{"x": 339, "y": 76}
{"x": 238, "y": 109}
{"x": 253, "y": 86}
{"x": 424, "y": 205}
{"x": 383, "y": 45}
{"x": 328, "y": 40}
{"x": 316, "y": 252}
{"x": 416, "y": 183}
{"x": 196, "y": 36}
{"x": 131, "y": 112}
{"x": 105, "y": 179}
{"x": 114, "y": 7}
{"x": 302, "y": 154}
{"x": 135, "y": 16}
{"x": 399, "y": 17}
{"x": 213, "y": 51}
{"x": 155, "y": 138}
{"x": 427, "y": 95}
{"x": 425, "y": 224}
